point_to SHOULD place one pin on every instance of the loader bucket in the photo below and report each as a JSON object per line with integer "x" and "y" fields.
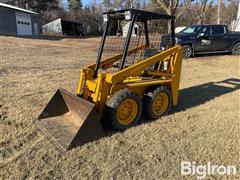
{"x": 70, "y": 121}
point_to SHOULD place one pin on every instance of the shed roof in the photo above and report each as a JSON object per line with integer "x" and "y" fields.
{"x": 64, "y": 20}
{"x": 17, "y": 8}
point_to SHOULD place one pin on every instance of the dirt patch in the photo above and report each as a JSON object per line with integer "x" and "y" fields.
{"x": 204, "y": 126}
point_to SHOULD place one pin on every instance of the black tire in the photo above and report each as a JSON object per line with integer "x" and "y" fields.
{"x": 148, "y": 101}
{"x": 113, "y": 104}
{"x": 187, "y": 51}
{"x": 236, "y": 49}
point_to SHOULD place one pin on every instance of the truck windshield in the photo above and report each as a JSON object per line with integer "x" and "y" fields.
{"x": 190, "y": 30}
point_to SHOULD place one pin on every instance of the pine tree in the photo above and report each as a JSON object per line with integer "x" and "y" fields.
{"x": 47, "y": 8}
{"x": 43, "y": 5}
{"x": 75, "y": 4}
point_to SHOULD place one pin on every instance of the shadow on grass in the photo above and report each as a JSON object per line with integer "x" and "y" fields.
{"x": 195, "y": 96}
{"x": 65, "y": 133}
{"x": 200, "y": 94}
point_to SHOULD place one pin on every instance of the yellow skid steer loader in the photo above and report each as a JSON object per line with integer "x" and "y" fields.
{"x": 131, "y": 77}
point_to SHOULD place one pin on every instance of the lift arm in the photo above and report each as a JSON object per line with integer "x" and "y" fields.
{"x": 137, "y": 68}
{"x": 175, "y": 64}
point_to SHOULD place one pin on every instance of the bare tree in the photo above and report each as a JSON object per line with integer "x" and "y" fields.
{"x": 204, "y": 7}
{"x": 175, "y": 7}
{"x": 18, "y": 3}
{"x": 144, "y": 4}
{"x": 138, "y": 4}
{"x": 113, "y": 4}
{"x": 91, "y": 17}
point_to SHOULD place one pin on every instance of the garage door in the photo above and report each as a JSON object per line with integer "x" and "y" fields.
{"x": 24, "y": 26}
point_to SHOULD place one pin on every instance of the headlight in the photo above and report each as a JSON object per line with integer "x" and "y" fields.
{"x": 105, "y": 18}
{"x": 128, "y": 15}
{"x": 162, "y": 48}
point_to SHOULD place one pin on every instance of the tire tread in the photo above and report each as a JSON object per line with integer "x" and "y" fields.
{"x": 148, "y": 99}
{"x": 113, "y": 103}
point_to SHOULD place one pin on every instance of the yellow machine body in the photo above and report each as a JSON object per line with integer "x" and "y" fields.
{"x": 70, "y": 120}
{"x": 115, "y": 89}
{"x": 134, "y": 77}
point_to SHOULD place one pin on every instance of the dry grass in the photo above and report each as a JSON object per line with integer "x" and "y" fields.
{"x": 204, "y": 126}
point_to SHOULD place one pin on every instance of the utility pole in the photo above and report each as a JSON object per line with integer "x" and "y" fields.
{"x": 131, "y": 4}
{"x": 143, "y": 4}
{"x": 237, "y": 28}
{"x": 137, "y": 4}
{"x": 218, "y": 12}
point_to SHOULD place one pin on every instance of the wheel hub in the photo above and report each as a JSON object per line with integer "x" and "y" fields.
{"x": 187, "y": 52}
{"x": 237, "y": 49}
{"x": 127, "y": 111}
{"x": 160, "y": 103}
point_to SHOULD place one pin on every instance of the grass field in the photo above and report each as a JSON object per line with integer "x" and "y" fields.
{"x": 204, "y": 126}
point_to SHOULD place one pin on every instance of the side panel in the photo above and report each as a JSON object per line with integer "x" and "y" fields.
{"x": 7, "y": 22}
{"x": 24, "y": 24}
{"x": 232, "y": 40}
{"x": 36, "y": 25}
{"x": 204, "y": 43}
{"x": 53, "y": 28}
{"x": 219, "y": 38}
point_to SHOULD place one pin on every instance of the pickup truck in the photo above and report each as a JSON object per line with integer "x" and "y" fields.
{"x": 205, "y": 38}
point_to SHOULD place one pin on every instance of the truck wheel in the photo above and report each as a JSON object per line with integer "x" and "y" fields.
{"x": 157, "y": 102}
{"x": 187, "y": 51}
{"x": 124, "y": 109}
{"x": 236, "y": 49}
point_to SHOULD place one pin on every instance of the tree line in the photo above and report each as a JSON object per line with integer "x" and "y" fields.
{"x": 187, "y": 12}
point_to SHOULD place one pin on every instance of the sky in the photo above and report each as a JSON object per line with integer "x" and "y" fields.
{"x": 87, "y": 2}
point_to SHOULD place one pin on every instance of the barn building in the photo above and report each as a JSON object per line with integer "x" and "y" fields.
{"x": 63, "y": 27}
{"x": 17, "y": 21}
